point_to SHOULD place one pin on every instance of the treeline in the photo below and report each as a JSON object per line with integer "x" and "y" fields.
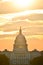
{"x": 37, "y": 61}
{"x": 4, "y": 60}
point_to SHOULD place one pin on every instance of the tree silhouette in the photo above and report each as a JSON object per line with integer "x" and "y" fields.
{"x": 37, "y": 61}
{"x": 4, "y": 60}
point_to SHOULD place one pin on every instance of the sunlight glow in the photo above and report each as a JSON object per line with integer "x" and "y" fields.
{"x": 23, "y": 3}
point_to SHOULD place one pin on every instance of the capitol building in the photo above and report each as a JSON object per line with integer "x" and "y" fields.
{"x": 20, "y": 54}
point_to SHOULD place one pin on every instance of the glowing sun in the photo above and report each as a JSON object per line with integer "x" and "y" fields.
{"x": 23, "y": 3}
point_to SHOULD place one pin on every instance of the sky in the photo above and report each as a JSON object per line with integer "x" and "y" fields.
{"x": 25, "y": 13}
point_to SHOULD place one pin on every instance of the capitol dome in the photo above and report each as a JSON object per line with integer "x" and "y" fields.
{"x": 20, "y": 37}
{"x": 20, "y": 45}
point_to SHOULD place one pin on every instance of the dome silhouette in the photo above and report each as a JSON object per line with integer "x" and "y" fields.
{"x": 20, "y": 37}
{"x": 20, "y": 45}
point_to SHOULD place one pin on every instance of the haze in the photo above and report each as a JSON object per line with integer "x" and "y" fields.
{"x": 29, "y": 17}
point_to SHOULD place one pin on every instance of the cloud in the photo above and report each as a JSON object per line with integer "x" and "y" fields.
{"x": 7, "y": 33}
{"x": 8, "y": 7}
{"x": 29, "y": 20}
{"x": 22, "y": 14}
{"x": 3, "y": 21}
{"x": 36, "y": 17}
{"x": 28, "y": 16}
{"x": 32, "y": 28}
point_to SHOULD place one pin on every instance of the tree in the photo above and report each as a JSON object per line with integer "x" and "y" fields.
{"x": 37, "y": 61}
{"x": 4, "y": 60}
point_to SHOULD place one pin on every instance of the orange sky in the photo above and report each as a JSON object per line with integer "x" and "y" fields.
{"x": 28, "y": 15}
{"x": 33, "y": 43}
